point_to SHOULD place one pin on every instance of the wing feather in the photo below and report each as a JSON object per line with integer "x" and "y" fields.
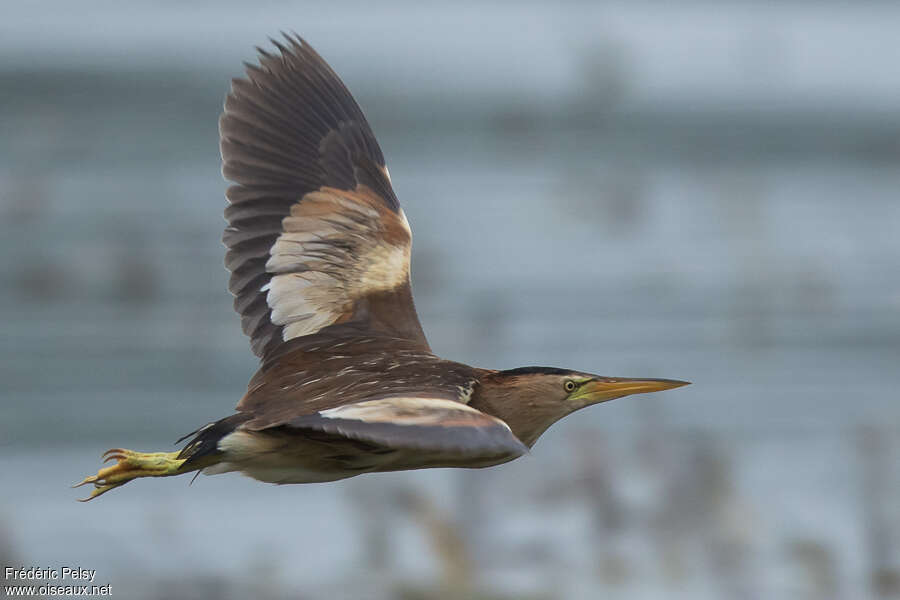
{"x": 418, "y": 423}
{"x": 315, "y": 234}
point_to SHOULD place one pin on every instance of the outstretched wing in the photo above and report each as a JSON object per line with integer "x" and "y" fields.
{"x": 315, "y": 234}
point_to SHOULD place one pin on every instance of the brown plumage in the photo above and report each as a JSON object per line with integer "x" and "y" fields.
{"x": 319, "y": 252}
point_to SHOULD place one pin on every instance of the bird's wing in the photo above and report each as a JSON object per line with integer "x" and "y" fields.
{"x": 418, "y": 423}
{"x": 315, "y": 234}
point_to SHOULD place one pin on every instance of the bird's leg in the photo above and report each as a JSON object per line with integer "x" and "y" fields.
{"x": 131, "y": 465}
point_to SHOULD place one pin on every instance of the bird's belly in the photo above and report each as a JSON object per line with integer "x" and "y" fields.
{"x": 274, "y": 457}
{"x": 290, "y": 474}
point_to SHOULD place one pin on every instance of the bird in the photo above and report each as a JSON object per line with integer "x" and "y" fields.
{"x": 319, "y": 248}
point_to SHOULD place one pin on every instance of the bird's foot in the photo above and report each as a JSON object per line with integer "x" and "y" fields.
{"x": 131, "y": 465}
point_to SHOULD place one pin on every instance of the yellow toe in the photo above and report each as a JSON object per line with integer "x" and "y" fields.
{"x": 131, "y": 465}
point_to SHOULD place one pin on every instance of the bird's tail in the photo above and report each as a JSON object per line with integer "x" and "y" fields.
{"x": 203, "y": 448}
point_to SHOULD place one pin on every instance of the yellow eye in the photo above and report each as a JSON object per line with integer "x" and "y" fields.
{"x": 570, "y": 386}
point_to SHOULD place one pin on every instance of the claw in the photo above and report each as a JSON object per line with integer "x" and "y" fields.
{"x": 99, "y": 490}
{"x": 114, "y": 453}
{"x": 85, "y": 481}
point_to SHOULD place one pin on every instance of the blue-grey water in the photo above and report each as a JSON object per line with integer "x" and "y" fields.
{"x": 637, "y": 190}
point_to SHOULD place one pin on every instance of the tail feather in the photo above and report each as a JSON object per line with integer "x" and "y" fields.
{"x": 203, "y": 448}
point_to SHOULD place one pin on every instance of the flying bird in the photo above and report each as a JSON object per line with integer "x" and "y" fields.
{"x": 319, "y": 251}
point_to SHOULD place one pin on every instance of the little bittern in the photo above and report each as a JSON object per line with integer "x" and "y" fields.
{"x": 318, "y": 248}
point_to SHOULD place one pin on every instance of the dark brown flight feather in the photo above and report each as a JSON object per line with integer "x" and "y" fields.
{"x": 315, "y": 234}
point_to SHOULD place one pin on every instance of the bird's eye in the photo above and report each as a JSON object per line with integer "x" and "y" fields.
{"x": 569, "y": 386}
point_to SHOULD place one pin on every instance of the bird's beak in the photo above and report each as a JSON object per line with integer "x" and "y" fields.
{"x": 602, "y": 389}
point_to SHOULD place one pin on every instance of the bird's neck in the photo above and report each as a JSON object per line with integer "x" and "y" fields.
{"x": 527, "y": 413}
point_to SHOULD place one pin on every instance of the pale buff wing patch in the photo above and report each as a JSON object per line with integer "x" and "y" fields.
{"x": 337, "y": 247}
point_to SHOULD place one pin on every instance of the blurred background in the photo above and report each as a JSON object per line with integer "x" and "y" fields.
{"x": 695, "y": 190}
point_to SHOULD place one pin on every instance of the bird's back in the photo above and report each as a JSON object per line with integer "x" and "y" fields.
{"x": 326, "y": 371}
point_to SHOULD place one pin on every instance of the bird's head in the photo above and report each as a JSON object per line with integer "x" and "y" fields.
{"x": 530, "y": 399}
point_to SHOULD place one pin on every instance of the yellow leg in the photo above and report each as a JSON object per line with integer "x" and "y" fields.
{"x": 131, "y": 465}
